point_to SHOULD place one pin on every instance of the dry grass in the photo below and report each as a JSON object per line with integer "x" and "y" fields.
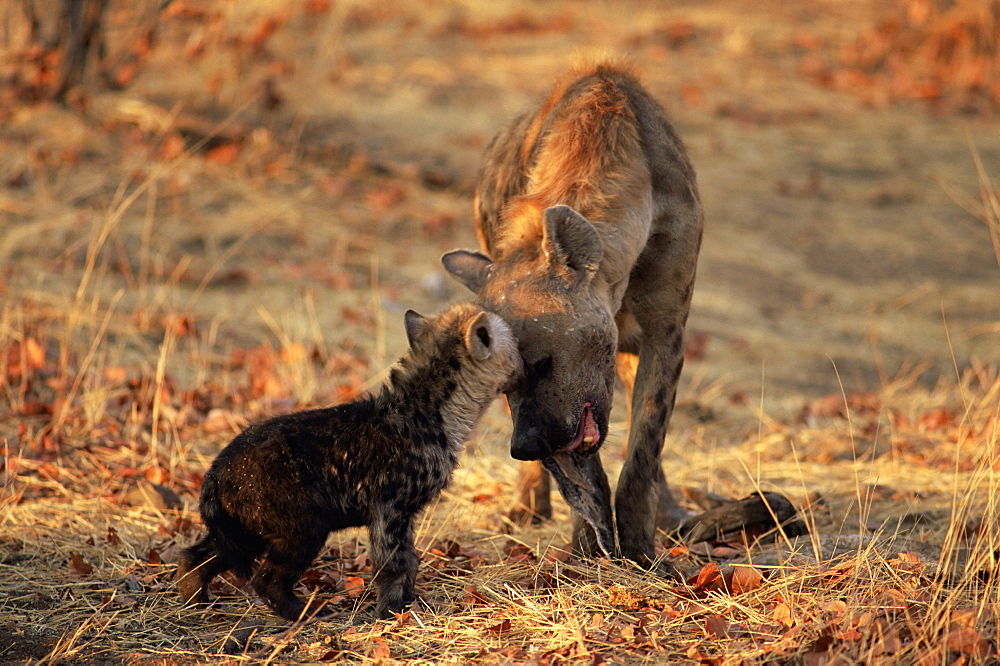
{"x": 158, "y": 296}
{"x": 899, "y": 488}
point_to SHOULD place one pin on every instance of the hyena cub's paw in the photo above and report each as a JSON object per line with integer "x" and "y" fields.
{"x": 387, "y": 611}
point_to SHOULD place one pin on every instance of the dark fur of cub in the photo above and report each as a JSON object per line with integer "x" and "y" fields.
{"x": 281, "y": 486}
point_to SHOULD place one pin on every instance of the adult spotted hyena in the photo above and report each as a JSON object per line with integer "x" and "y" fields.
{"x": 280, "y": 487}
{"x": 590, "y": 224}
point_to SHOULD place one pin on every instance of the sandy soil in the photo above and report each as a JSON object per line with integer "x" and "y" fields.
{"x": 833, "y": 243}
{"x": 332, "y": 162}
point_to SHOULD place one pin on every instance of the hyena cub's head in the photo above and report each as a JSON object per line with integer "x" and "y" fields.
{"x": 473, "y": 352}
{"x": 565, "y": 330}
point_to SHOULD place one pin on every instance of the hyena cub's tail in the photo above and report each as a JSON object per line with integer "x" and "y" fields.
{"x": 228, "y": 546}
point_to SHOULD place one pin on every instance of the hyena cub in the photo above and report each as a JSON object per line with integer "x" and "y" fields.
{"x": 280, "y": 487}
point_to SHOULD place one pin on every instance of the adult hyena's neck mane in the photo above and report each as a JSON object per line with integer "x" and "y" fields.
{"x": 582, "y": 150}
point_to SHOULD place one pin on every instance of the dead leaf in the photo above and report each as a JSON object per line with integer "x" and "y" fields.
{"x": 558, "y": 555}
{"x": 783, "y": 614}
{"x": 23, "y": 356}
{"x": 716, "y": 627}
{"x": 155, "y": 474}
{"x": 936, "y": 419}
{"x": 294, "y": 353}
{"x": 80, "y": 566}
{"x": 708, "y": 579}
{"x": 499, "y": 629}
{"x": 696, "y": 344}
{"x": 178, "y": 325}
{"x": 740, "y": 579}
{"x": 264, "y": 30}
{"x": 317, "y": 6}
{"x": 172, "y": 147}
{"x": 115, "y": 374}
{"x": 380, "y": 649}
{"x": 354, "y": 585}
{"x": 517, "y": 552}
{"x": 224, "y": 154}
{"x": 473, "y": 597}
{"x": 34, "y": 354}
{"x": 967, "y": 641}
{"x": 825, "y": 407}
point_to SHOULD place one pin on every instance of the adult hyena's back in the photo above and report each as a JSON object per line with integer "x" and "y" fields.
{"x": 603, "y": 146}
{"x": 599, "y": 144}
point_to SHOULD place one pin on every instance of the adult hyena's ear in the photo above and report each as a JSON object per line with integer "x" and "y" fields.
{"x": 479, "y": 337}
{"x": 417, "y": 328}
{"x": 571, "y": 241}
{"x": 471, "y": 268}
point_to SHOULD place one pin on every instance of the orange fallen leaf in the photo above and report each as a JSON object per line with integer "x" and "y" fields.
{"x": 354, "y": 585}
{"x": 716, "y": 626}
{"x": 740, "y": 579}
{"x": 80, "y": 566}
{"x": 967, "y": 641}
{"x": 380, "y": 650}
{"x": 473, "y": 597}
{"x": 224, "y": 154}
{"x": 709, "y": 579}
{"x": 936, "y": 419}
{"x": 783, "y": 614}
{"x": 155, "y": 474}
{"x": 498, "y": 629}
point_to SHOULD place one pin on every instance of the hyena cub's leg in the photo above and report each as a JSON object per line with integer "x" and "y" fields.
{"x": 197, "y": 566}
{"x": 394, "y": 560}
{"x": 284, "y": 563}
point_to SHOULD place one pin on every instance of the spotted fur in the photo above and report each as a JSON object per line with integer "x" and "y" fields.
{"x": 280, "y": 487}
{"x": 590, "y": 225}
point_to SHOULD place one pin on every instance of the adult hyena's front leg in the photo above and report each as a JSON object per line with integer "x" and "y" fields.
{"x": 643, "y": 498}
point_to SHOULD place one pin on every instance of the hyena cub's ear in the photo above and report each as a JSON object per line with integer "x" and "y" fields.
{"x": 417, "y": 328}
{"x": 571, "y": 241}
{"x": 479, "y": 337}
{"x": 471, "y": 268}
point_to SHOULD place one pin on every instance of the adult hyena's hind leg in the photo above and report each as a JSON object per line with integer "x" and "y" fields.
{"x": 669, "y": 513}
{"x": 533, "y": 503}
{"x": 196, "y": 568}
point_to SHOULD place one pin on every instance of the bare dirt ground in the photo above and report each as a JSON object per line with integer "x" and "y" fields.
{"x": 238, "y": 231}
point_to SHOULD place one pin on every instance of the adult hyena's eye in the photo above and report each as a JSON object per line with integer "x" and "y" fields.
{"x": 540, "y": 368}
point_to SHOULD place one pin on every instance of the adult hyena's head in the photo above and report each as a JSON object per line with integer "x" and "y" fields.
{"x": 546, "y": 292}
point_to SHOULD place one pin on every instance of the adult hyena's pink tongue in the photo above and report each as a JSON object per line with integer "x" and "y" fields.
{"x": 587, "y": 434}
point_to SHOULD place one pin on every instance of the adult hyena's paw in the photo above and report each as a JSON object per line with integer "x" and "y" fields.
{"x": 522, "y": 516}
